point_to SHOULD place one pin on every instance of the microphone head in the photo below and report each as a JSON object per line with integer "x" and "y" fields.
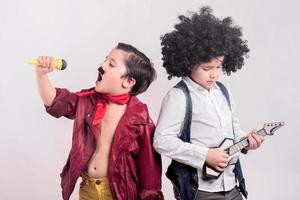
{"x": 60, "y": 64}
{"x": 63, "y": 65}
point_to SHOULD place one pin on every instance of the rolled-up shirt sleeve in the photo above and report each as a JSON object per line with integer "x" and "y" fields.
{"x": 64, "y": 104}
{"x": 166, "y": 138}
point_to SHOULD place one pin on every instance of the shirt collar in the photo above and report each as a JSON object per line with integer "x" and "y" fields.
{"x": 195, "y": 86}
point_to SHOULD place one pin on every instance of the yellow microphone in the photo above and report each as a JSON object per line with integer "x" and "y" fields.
{"x": 59, "y": 64}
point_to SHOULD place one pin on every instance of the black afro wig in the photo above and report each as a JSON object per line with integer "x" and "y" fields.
{"x": 200, "y": 38}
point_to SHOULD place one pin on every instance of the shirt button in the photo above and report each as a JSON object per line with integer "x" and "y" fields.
{"x": 98, "y": 182}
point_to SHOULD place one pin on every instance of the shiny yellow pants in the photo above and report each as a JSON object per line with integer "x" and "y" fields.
{"x": 94, "y": 189}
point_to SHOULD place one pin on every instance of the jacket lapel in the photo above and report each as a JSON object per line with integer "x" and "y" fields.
{"x": 128, "y": 129}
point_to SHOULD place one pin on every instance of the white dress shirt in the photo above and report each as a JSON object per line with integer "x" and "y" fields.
{"x": 212, "y": 121}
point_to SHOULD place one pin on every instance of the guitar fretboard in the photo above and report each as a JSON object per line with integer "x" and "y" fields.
{"x": 242, "y": 144}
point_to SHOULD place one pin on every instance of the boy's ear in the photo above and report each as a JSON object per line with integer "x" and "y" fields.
{"x": 128, "y": 82}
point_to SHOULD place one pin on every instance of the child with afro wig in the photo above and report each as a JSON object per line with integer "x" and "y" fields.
{"x": 198, "y": 113}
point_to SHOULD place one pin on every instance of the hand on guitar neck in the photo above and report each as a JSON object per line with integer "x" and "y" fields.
{"x": 254, "y": 140}
{"x": 218, "y": 158}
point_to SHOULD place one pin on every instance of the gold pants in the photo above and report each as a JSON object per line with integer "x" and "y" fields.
{"x": 94, "y": 189}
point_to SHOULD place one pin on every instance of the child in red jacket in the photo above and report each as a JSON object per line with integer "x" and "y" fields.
{"x": 112, "y": 136}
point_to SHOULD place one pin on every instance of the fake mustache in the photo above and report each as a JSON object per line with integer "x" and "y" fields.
{"x": 100, "y": 73}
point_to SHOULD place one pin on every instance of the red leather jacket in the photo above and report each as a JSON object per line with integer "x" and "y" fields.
{"x": 134, "y": 167}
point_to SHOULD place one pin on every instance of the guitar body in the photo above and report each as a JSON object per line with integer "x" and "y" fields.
{"x": 210, "y": 172}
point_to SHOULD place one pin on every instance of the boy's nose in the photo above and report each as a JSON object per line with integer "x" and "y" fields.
{"x": 103, "y": 63}
{"x": 212, "y": 75}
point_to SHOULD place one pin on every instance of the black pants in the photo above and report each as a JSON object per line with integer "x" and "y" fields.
{"x": 233, "y": 194}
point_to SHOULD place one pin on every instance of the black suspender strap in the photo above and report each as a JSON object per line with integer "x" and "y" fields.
{"x": 237, "y": 169}
{"x": 186, "y": 129}
{"x": 184, "y": 177}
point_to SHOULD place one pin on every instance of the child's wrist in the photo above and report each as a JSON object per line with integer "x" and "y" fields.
{"x": 40, "y": 72}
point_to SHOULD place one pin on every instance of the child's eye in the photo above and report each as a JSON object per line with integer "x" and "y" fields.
{"x": 206, "y": 69}
{"x": 111, "y": 65}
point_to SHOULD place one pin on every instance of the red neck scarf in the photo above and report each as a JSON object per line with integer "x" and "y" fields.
{"x": 104, "y": 99}
{"x": 102, "y": 105}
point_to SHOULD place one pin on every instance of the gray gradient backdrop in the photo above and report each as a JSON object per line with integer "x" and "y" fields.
{"x": 34, "y": 146}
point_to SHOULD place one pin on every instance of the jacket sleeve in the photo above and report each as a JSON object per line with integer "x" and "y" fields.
{"x": 64, "y": 104}
{"x": 149, "y": 166}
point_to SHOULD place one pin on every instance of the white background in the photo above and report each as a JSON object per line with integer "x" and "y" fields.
{"x": 34, "y": 146}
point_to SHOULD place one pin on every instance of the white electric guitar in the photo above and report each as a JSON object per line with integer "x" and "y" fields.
{"x": 234, "y": 149}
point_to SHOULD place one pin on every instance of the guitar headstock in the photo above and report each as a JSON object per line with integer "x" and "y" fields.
{"x": 271, "y": 127}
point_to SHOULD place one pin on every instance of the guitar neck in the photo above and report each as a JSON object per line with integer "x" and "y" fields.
{"x": 242, "y": 144}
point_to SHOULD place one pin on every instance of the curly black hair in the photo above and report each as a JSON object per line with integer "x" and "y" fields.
{"x": 200, "y": 38}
